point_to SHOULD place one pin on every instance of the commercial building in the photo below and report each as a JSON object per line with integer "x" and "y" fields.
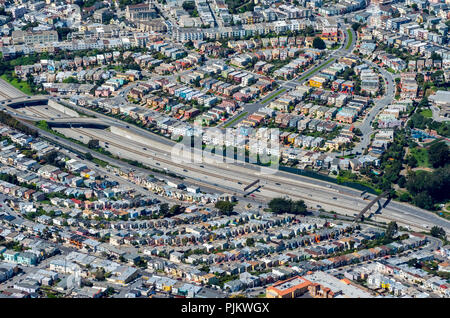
{"x": 290, "y": 288}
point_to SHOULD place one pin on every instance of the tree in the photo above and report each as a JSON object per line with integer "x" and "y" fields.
{"x": 438, "y": 232}
{"x": 51, "y": 157}
{"x": 188, "y": 5}
{"x": 401, "y": 181}
{"x": 100, "y": 274}
{"x": 404, "y": 197}
{"x": 423, "y": 200}
{"x": 298, "y": 207}
{"x": 164, "y": 208}
{"x": 88, "y": 156}
{"x": 224, "y": 207}
{"x": 412, "y": 262}
{"x": 70, "y": 80}
{"x": 428, "y": 188}
{"x": 435, "y": 56}
{"x": 281, "y": 205}
{"x": 93, "y": 144}
{"x": 357, "y": 132}
{"x": 412, "y": 161}
{"x": 439, "y": 154}
{"x": 356, "y": 26}
{"x": 318, "y": 43}
{"x": 109, "y": 291}
{"x": 391, "y": 229}
{"x": 250, "y": 242}
{"x": 175, "y": 209}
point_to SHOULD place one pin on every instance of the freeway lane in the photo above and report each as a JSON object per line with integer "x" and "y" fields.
{"x": 227, "y": 176}
{"x": 314, "y": 192}
{"x": 7, "y": 91}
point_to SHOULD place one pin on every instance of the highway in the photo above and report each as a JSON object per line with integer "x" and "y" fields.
{"x": 226, "y": 177}
{"x": 231, "y": 178}
{"x": 7, "y": 91}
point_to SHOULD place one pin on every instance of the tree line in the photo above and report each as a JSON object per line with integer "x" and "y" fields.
{"x": 7, "y": 119}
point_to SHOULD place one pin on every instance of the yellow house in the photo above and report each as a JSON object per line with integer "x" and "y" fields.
{"x": 291, "y": 138}
{"x": 317, "y": 82}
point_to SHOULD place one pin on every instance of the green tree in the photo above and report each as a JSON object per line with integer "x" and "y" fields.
{"x": 175, "y": 209}
{"x": 282, "y": 205}
{"x": 93, "y": 144}
{"x": 164, "y": 208}
{"x": 411, "y": 161}
{"x": 357, "y": 132}
{"x": 356, "y": 26}
{"x": 439, "y": 154}
{"x": 70, "y": 80}
{"x": 224, "y": 207}
{"x": 318, "y": 43}
{"x": 438, "y": 232}
{"x": 423, "y": 200}
{"x": 100, "y": 274}
{"x": 391, "y": 230}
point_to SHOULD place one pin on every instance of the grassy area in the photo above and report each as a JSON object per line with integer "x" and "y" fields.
{"x": 444, "y": 214}
{"x": 20, "y": 85}
{"x": 427, "y": 113}
{"x": 100, "y": 162}
{"x": 316, "y": 70}
{"x": 350, "y": 39}
{"x": 421, "y": 156}
{"x": 390, "y": 70}
{"x": 273, "y": 96}
{"x": 234, "y": 120}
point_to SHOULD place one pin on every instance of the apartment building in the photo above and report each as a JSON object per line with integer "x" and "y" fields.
{"x": 34, "y": 37}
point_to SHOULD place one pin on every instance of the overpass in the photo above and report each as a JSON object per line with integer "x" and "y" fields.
{"x": 25, "y": 101}
{"x": 66, "y": 122}
{"x": 371, "y": 203}
{"x": 78, "y": 122}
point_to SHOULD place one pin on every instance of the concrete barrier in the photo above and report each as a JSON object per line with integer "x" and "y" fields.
{"x": 138, "y": 138}
{"x": 62, "y": 109}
